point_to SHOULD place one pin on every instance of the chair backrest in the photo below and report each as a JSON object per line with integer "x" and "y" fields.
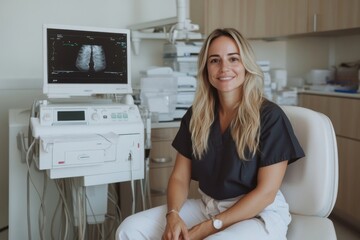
{"x": 310, "y": 184}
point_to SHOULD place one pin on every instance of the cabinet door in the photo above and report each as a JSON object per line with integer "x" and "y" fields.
{"x": 221, "y": 14}
{"x": 348, "y": 14}
{"x": 162, "y": 154}
{"x": 315, "y": 102}
{"x": 286, "y": 17}
{"x": 348, "y": 199}
{"x": 326, "y": 15}
{"x": 254, "y": 16}
{"x": 345, "y": 116}
{"x": 248, "y": 16}
{"x": 257, "y": 18}
{"x": 322, "y": 15}
{"x": 343, "y": 112}
{"x": 162, "y": 160}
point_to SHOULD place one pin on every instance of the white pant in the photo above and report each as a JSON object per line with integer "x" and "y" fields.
{"x": 271, "y": 224}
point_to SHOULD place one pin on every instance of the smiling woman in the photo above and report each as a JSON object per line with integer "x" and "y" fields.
{"x": 236, "y": 144}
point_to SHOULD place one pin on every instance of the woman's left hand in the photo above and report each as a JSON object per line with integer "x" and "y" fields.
{"x": 201, "y": 230}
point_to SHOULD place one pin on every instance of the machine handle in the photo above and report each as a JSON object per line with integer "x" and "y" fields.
{"x": 315, "y": 22}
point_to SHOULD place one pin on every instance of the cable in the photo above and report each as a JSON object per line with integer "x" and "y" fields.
{"x": 142, "y": 194}
{"x": 115, "y": 219}
{"x": 132, "y": 184}
{"x": 4, "y": 228}
{"x": 80, "y": 206}
{"x": 28, "y": 180}
{"x": 147, "y": 182}
{"x": 114, "y": 199}
{"x": 61, "y": 185}
{"x": 42, "y": 217}
{"x": 53, "y": 218}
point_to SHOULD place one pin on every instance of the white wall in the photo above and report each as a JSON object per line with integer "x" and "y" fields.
{"x": 273, "y": 51}
{"x": 347, "y": 48}
{"x": 304, "y": 54}
{"x": 21, "y": 50}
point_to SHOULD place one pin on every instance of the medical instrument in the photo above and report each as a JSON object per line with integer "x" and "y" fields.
{"x": 84, "y": 61}
{"x": 172, "y": 29}
{"x": 88, "y": 135}
{"x": 95, "y": 145}
{"x": 75, "y": 138}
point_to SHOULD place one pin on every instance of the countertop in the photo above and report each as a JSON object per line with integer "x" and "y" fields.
{"x": 328, "y": 93}
{"x": 170, "y": 124}
{"x": 176, "y": 123}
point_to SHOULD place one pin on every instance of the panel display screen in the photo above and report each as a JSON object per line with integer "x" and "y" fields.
{"x": 71, "y": 116}
{"x": 89, "y": 57}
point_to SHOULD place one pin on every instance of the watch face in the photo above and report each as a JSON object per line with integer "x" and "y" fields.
{"x": 217, "y": 223}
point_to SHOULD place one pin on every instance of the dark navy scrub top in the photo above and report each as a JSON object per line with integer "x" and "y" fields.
{"x": 220, "y": 172}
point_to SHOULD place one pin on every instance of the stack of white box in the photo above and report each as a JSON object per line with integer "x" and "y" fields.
{"x": 158, "y": 92}
{"x": 185, "y": 94}
{"x": 265, "y": 67}
{"x": 182, "y": 58}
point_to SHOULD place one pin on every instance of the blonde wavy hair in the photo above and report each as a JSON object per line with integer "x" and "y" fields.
{"x": 245, "y": 127}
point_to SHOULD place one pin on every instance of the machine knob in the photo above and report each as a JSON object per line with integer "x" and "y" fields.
{"x": 95, "y": 116}
{"x": 46, "y": 117}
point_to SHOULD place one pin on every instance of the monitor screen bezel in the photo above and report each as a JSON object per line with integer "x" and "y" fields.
{"x": 66, "y": 90}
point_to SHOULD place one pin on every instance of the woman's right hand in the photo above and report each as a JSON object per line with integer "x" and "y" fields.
{"x": 175, "y": 228}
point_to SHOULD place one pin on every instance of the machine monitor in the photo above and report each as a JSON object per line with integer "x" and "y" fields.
{"x": 83, "y": 61}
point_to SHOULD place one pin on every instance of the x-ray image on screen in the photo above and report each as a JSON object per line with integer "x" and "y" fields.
{"x": 91, "y": 58}
{"x": 86, "y": 57}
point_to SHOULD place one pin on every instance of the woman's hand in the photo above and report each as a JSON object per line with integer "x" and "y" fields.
{"x": 201, "y": 230}
{"x": 175, "y": 229}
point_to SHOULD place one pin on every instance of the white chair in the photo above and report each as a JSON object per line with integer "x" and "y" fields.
{"x": 310, "y": 184}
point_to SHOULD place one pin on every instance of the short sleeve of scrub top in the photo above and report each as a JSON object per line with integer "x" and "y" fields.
{"x": 220, "y": 172}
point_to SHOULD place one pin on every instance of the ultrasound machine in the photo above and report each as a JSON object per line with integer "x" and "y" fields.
{"x": 87, "y": 133}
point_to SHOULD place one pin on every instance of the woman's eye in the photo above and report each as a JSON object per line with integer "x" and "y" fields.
{"x": 214, "y": 60}
{"x": 234, "y": 59}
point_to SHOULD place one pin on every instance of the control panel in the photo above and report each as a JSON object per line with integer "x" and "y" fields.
{"x": 70, "y": 114}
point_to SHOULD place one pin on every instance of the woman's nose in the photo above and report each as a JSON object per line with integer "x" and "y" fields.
{"x": 224, "y": 66}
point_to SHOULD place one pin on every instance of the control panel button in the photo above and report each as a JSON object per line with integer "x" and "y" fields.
{"x": 95, "y": 117}
{"x": 46, "y": 117}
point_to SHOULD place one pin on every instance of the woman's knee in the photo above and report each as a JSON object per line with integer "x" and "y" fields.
{"x": 128, "y": 228}
{"x": 148, "y": 224}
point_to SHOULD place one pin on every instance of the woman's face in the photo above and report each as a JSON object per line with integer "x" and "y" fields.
{"x": 225, "y": 69}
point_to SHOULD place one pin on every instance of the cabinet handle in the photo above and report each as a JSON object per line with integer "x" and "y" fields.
{"x": 161, "y": 160}
{"x": 315, "y": 22}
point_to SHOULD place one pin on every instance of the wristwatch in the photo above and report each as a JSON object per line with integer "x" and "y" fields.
{"x": 217, "y": 223}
